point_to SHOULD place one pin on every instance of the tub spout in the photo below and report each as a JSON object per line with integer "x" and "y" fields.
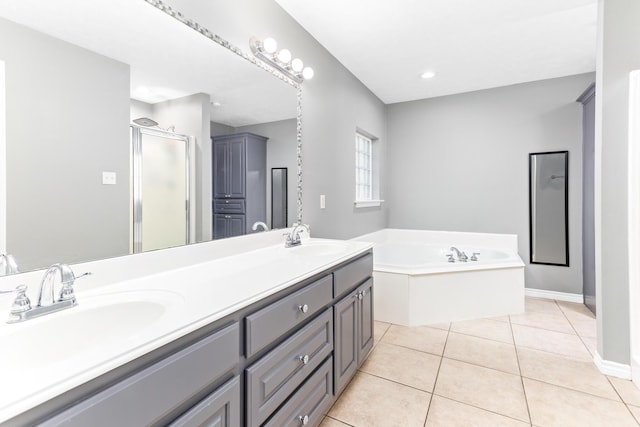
{"x": 462, "y": 257}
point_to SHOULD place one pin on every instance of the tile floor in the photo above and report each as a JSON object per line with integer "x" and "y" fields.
{"x": 533, "y": 369}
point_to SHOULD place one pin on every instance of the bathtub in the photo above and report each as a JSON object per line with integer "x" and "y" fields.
{"x": 414, "y": 284}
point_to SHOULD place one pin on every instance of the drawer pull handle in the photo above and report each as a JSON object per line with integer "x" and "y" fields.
{"x": 359, "y": 295}
{"x": 304, "y": 359}
{"x": 303, "y": 308}
{"x": 364, "y": 293}
{"x": 304, "y": 420}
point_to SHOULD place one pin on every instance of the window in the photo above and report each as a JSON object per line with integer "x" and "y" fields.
{"x": 367, "y": 194}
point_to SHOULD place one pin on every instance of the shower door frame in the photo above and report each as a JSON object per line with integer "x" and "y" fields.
{"x": 136, "y": 172}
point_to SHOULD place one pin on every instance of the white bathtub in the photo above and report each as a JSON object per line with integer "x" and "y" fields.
{"x": 414, "y": 284}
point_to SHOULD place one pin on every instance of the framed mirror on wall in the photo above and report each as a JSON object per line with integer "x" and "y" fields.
{"x": 548, "y": 208}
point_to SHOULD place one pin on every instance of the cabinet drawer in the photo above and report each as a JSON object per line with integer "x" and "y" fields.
{"x": 151, "y": 394}
{"x": 272, "y": 379}
{"x": 229, "y": 206}
{"x": 351, "y": 275}
{"x": 220, "y": 409}
{"x": 270, "y": 323}
{"x": 310, "y": 403}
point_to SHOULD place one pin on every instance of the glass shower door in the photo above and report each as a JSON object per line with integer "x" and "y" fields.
{"x": 161, "y": 189}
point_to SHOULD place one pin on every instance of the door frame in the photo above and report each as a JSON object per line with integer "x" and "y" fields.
{"x": 3, "y": 161}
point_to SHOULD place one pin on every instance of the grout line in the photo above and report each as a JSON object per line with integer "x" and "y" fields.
{"x": 482, "y": 409}
{"x": 338, "y": 420}
{"x": 435, "y": 382}
{"x": 395, "y": 382}
{"x": 574, "y": 390}
{"x": 524, "y": 390}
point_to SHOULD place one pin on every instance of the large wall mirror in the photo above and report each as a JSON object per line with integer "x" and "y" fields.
{"x": 548, "y": 208}
{"x": 76, "y": 75}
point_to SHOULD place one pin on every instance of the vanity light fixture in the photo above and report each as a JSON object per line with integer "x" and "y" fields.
{"x": 267, "y": 51}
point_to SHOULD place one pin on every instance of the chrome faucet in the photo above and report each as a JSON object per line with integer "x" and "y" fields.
{"x": 293, "y": 238}
{"x": 462, "y": 257}
{"x": 22, "y": 310}
{"x": 257, "y": 224}
{"x": 8, "y": 265}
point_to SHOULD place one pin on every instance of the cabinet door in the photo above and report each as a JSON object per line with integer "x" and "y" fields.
{"x": 346, "y": 340}
{"x": 220, "y": 169}
{"x": 235, "y": 225}
{"x": 220, "y": 409}
{"x": 219, "y": 226}
{"x": 365, "y": 320}
{"x": 237, "y": 168}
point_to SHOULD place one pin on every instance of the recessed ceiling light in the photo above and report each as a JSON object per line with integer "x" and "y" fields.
{"x": 428, "y": 75}
{"x": 216, "y": 104}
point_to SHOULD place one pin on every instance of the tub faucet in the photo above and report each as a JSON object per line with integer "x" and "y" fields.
{"x": 47, "y": 301}
{"x": 293, "y": 238}
{"x": 260, "y": 224}
{"x": 462, "y": 257}
{"x": 8, "y": 265}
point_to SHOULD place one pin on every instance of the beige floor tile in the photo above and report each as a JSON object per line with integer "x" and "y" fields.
{"x": 553, "y": 342}
{"x": 482, "y": 352}
{"x": 552, "y": 406}
{"x": 541, "y": 305}
{"x": 330, "y": 422}
{"x": 369, "y": 401}
{"x": 485, "y": 388}
{"x": 379, "y": 329}
{"x": 403, "y": 365}
{"x": 564, "y": 371}
{"x": 591, "y": 343}
{"x": 499, "y": 318}
{"x": 448, "y": 413}
{"x": 422, "y": 338}
{"x": 552, "y": 322}
{"x": 443, "y": 326}
{"x": 635, "y": 410}
{"x": 484, "y": 328}
{"x": 629, "y": 392}
{"x": 584, "y": 327}
{"x": 572, "y": 309}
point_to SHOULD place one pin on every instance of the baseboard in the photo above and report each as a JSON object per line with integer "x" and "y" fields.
{"x": 613, "y": 369}
{"x": 560, "y": 296}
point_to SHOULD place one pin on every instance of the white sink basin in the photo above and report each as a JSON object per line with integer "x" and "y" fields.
{"x": 319, "y": 248}
{"x": 96, "y": 322}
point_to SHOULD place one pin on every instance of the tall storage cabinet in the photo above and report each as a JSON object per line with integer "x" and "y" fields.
{"x": 239, "y": 183}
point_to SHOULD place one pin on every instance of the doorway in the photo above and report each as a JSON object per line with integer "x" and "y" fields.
{"x": 161, "y": 202}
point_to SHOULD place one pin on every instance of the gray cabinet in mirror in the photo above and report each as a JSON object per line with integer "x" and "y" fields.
{"x": 76, "y": 75}
{"x": 548, "y": 208}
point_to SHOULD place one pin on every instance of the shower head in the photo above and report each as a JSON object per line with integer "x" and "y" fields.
{"x": 145, "y": 121}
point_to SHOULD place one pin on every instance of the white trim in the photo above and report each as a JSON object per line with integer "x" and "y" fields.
{"x": 367, "y": 203}
{"x": 560, "y": 296}
{"x": 3, "y": 162}
{"x": 613, "y": 369}
{"x": 634, "y": 221}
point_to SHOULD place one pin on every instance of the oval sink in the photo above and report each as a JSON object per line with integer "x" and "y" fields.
{"x": 319, "y": 248}
{"x": 96, "y": 322}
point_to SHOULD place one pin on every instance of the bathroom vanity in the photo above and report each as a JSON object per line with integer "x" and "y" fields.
{"x": 272, "y": 341}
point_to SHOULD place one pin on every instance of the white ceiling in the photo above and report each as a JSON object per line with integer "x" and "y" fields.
{"x": 469, "y": 44}
{"x": 153, "y": 44}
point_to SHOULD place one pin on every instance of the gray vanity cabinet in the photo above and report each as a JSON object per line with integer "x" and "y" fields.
{"x": 353, "y": 319}
{"x": 220, "y": 409}
{"x": 151, "y": 395}
{"x": 239, "y": 183}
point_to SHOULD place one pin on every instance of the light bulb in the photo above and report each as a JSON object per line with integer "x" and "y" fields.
{"x": 297, "y": 65}
{"x": 284, "y": 56}
{"x": 270, "y": 45}
{"x": 428, "y": 75}
{"x": 307, "y": 73}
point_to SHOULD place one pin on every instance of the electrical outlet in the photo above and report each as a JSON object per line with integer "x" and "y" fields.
{"x": 109, "y": 178}
{"x": 322, "y": 201}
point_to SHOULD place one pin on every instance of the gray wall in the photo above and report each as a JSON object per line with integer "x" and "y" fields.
{"x": 67, "y": 122}
{"x": 460, "y": 163}
{"x": 618, "y": 54}
{"x": 334, "y": 104}
{"x": 281, "y": 153}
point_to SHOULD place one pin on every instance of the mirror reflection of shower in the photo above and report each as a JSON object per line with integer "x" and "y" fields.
{"x": 150, "y": 123}
{"x": 160, "y": 187}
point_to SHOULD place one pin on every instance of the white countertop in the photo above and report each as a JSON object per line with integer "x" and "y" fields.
{"x": 120, "y": 321}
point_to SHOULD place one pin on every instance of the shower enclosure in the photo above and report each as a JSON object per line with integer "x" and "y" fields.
{"x": 160, "y": 181}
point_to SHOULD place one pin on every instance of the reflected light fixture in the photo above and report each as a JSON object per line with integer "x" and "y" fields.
{"x": 428, "y": 75}
{"x": 267, "y": 51}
